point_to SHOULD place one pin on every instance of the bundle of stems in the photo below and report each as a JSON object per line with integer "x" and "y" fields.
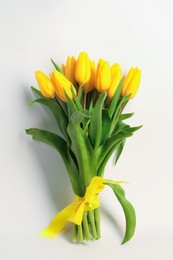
{"x": 90, "y": 227}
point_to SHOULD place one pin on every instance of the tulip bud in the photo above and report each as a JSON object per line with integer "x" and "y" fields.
{"x": 103, "y": 76}
{"x": 131, "y": 82}
{"x": 82, "y": 69}
{"x": 46, "y": 86}
{"x": 63, "y": 68}
{"x": 90, "y": 85}
{"x": 116, "y": 75}
{"x": 62, "y": 85}
{"x": 69, "y": 69}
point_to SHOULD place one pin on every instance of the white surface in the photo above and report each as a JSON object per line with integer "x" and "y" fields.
{"x": 33, "y": 181}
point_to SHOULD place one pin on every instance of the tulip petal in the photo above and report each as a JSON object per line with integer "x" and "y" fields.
{"x": 103, "y": 76}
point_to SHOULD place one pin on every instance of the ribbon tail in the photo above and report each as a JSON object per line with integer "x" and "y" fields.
{"x": 58, "y": 222}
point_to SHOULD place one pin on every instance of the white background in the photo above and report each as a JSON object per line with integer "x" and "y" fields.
{"x": 33, "y": 182}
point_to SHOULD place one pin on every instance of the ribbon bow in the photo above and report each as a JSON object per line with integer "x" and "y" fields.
{"x": 74, "y": 211}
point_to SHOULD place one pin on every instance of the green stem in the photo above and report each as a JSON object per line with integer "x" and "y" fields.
{"x": 90, "y": 227}
{"x": 74, "y": 236}
{"x": 97, "y": 221}
{"x": 92, "y": 223}
{"x": 86, "y": 227}
{"x": 84, "y": 234}
{"x": 80, "y": 233}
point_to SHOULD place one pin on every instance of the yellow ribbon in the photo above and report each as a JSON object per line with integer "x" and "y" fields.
{"x": 74, "y": 211}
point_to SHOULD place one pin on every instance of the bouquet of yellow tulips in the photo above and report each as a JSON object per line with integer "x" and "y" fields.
{"x": 87, "y": 102}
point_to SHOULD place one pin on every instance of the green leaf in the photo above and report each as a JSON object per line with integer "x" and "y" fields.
{"x": 36, "y": 91}
{"x": 128, "y": 211}
{"x": 125, "y": 116}
{"x": 52, "y": 139}
{"x": 71, "y": 107}
{"x": 115, "y": 99}
{"x": 82, "y": 148}
{"x": 121, "y": 104}
{"x": 60, "y": 146}
{"x": 62, "y": 104}
{"x": 133, "y": 129}
{"x": 119, "y": 150}
{"x": 105, "y": 151}
{"x": 119, "y": 127}
{"x": 57, "y": 67}
{"x": 106, "y": 157}
{"x": 106, "y": 148}
{"x": 77, "y": 101}
{"x": 106, "y": 125}
{"x": 80, "y": 94}
{"x": 58, "y": 113}
{"x": 95, "y": 129}
{"x": 75, "y": 176}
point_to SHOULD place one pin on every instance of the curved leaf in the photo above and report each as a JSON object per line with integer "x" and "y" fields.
{"x": 107, "y": 155}
{"x": 82, "y": 148}
{"x": 75, "y": 176}
{"x": 121, "y": 104}
{"x": 125, "y": 116}
{"x": 133, "y": 129}
{"x": 60, "y": 146}
{"x": 36, "y": 91}
{"x": 106, "y": 125}
{"x": 115, "y": 99}
{"x": 77, "y": 100}
{"x": 52, "y": 139}
{"x": 121, "y": 126}
{"x": 95, "y": 129}
{"x": 57, "y": 67}
{"x": 119, "y": 150}
{"x": 71, "y": 107}
{"x": 109, "y": 144}
{"x": 58, "y": 113}
{"x": 128, "y": 211}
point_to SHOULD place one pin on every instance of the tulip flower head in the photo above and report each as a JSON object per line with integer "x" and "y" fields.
{"x": 82, "y": 69}
{"x": 131, "y": 82}
{"x": 63, "y": 68}
{"x": 69, "y": 69}
{"x": 116, "y": 76}
{"x": 62, "y": 85}
{"x": 90, "y": 85}
{"x": 46, "y": 86}
{"x": 103, "y": 76}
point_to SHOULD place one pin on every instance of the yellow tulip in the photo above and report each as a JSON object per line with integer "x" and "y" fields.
{"x": 63, "y": 68}
{"x": 131, "y": 82}
{"x": 116, "y": 75}
{"x": 46, "y": 86}
{"x": 90, "y": 85}
{"x": 82, "y": 69}
{"x": 69, "y": 69}
{"x": 62, "y": 85}
{"x": 103, "y": 76}
{"x": 114, "y": 69}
